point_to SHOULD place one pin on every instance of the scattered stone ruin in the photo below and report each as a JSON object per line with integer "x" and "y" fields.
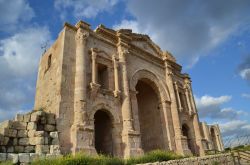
{"x": 28, "y": 137}
{"x": 109, "y": 91}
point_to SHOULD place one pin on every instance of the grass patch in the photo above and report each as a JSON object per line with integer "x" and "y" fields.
{"x": 83, "y": 159}
{"x": 80, "y": 159}
{"x": 154, "y": 156}
{"x": 238, "y": 148}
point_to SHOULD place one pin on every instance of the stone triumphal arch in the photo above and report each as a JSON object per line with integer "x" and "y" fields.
{"x": 116, "y": 92}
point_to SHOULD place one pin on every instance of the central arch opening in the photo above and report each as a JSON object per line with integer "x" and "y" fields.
{"x": 149, "y": 116}
{"x": 103, "y": 133}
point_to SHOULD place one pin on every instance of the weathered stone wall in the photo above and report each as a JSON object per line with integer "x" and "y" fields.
{"x": 29, "y": 136}
{"x": 225, "y": 159}
{"x": 48, "y": 85}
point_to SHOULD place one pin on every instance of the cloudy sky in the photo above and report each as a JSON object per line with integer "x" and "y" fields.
{"x": 211, "y": 39}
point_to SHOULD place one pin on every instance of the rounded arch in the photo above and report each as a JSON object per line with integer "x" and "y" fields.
{"x": 153, "y": 81}
{"x": 108, "y": 109}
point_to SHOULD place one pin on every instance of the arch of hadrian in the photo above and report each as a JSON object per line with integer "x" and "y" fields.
{"x": 118, "y": 93}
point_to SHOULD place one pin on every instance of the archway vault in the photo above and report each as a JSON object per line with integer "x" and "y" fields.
{"x": 162, "y": 88}
{"x": 105, "y": 107}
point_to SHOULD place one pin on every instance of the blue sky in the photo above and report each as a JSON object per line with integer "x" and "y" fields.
{"x": 210, "y": 39}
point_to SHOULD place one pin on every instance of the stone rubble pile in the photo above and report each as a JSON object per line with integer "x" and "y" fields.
{"x": 29, "y": 136}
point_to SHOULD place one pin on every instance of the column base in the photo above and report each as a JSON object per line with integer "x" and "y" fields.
{"x": 82, "y": 138}
{"x": 132, "y": 144}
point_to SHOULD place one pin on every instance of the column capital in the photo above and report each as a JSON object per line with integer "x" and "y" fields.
{"x": 81, "y": 35}
{"x": 93, "y": 53}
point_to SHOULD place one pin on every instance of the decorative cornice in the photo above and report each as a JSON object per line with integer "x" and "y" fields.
{"x": 66, "y": 24}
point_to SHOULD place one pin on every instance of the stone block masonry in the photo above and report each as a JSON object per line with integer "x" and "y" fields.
{"x": 28, "y": 137}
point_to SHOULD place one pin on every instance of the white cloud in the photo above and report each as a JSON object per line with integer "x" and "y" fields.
{"x": 21, "y": 51}
{"x": 19, "y": 56}
{"x": 14, "y": 13}
{"x": 235, "y": 127}
{"x": 83, "y": 8}
{"x": 210, "y": 107}
{"x": 245, "y": 74}
{"x": 207, "y": 100}
{"x": 245, "y": 95}
{"x": 188, "y": 30}
{"x": 129, "y": 24}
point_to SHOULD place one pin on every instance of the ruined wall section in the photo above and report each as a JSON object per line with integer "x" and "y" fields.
{"x": 65, "y": 116}
{"x": 48, "y": 94}
{"x": 29, "y": 136}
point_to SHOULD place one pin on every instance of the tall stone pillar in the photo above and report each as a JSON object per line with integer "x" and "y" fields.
{"x": 94, "y": 72}
{"x": 116, "y": 77}
{"x": 174, "y": 110}
{"x": 80, "y": 129}
{"x": 126, "y": 106}
{"x": 130, "y": 137}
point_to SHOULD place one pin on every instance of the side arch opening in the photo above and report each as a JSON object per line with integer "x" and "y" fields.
{"x": 103, "y": 133}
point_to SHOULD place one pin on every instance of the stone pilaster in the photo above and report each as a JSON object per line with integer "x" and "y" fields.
{"x": 175, "y": 113}
{"x": 188, "y": 100}
{"x": 130, "y": 137}
{"x": 166, "y": 108}
{"x": 178, "y": 96}
{"x": 80, "y": 129}
{"x": 198, "y": 138}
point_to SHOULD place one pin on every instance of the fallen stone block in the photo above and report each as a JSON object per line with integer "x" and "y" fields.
{"x": 51, "y": 118}
{"x": 14, "y": 141}
{"x": 49, "y": 128}
{"x": 55, "y": 141}
{"x": 23, "y": 141}
{"x": 24, "y": 157}
{"x": 40, "y": 149}
{"x": 26, "y": 118}
{"x": 10, "y": 149}
{"x": 12, "y": 133}
{"x": 40, "y": 140}
{"x": 19, "y": 125}
{"x": 6, "y": 124}
{"x": 39, "y": 134}
{"x": 36, "y": 115}
{"x": 2, "y": 149}
{"x": 19, "y": 117}
{"x": 19, "y": 149}
{"x": 55, "y": 149}
{"x": 22, "y": 133}
{"x": 3, "y": 157}
{"x": 31, "y": 133}
{"x": 13, "y": 158}
{"x": 32, "y": 126}
{"x": 53, "y": 134}
{"x": 4, "y": 140}
{"x": 32, "y": 141}
{"x": 29, "y": 149}
{"x": 34, "y": 156}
